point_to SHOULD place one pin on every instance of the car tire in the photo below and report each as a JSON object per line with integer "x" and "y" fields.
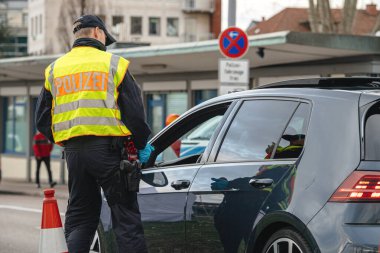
{"x": 285, "y": 238}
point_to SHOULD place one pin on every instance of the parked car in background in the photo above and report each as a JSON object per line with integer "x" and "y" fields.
{"x": 290, "y": 167}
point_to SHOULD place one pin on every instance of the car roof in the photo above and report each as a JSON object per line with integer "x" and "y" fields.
{"x": 310, "y": 89}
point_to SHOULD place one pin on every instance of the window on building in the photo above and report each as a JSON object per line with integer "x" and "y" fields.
{"x": 190, "y": 4}
{"x": 35, "y": 26}
{"x": 40, "y": 24}
{"x": 154, "y": 26}
{"x": 22, "y": 39}
{"x": 258, "y": 125}
{"x": 15, "y": 124}
{"x": 172, "y": 27}
{"x": 25, "y": 19}
{"x": 3, "y": 18}
{"x": 136, "y": 25}
{"x": 32, "y": 26}
{"x": 117, "y": 20}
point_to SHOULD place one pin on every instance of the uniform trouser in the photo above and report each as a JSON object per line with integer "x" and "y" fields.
{"x": 46, "y": 160}
{"x": 91, "y": 164}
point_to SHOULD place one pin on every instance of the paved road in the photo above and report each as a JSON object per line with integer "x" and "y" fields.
{"x": 20, "y": 221}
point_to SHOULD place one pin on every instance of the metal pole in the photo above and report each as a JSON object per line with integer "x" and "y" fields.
{"x": 29, "y": 135}
{"x": 231, "y": 13}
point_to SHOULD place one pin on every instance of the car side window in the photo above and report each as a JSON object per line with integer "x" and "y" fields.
{"x": 293, "y": 138}
{"x": 187, "y": 138}
{"x": 256, "y": 127}
{"x": 372, "y": 135}
{"x": 191, "y": 143}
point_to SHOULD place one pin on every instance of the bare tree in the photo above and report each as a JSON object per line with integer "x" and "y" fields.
{"x": 376, "y": 28}
{"x": 5, "y": 35}
{"x": 313, "y": 16}
{"x": 322, "y": 20}
{"x": 5, "y": 32}
{"x": 348, "y": 16}
{"x": 70, "y": 10}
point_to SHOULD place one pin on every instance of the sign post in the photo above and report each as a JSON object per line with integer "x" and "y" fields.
{"x": 233, "y": 73}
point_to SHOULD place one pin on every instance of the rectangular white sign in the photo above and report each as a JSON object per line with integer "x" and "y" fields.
{"x": 233, "y": 71}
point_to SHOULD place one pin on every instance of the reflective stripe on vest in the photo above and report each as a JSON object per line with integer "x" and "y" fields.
{"x": 85, "y": 97}
{"x": 86, "y": 121}
{"x": 83, "y": 83}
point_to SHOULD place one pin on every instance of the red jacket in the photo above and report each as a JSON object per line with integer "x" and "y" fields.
{"x": 42, "y": 147}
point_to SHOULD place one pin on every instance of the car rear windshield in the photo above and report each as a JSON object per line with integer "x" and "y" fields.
{"x": 372, "y": 133}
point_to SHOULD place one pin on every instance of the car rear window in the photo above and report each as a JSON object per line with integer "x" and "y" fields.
{"x": 372, "y": 133}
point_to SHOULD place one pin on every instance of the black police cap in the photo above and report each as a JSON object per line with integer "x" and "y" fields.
{"x": 93, "y": 21}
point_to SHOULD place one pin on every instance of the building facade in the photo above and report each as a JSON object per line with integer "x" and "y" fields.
{"x": 14, "y": 18}
{"x": 174, "y": 78}
{"x": 130, "y": 21}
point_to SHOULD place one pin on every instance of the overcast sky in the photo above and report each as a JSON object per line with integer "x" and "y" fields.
{"x": 257, "y": 9}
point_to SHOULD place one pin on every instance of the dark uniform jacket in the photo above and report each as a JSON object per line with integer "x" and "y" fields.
{"x": 129, "y": 101}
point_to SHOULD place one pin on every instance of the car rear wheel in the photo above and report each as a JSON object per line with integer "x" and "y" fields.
{"x": 286, "y": 241}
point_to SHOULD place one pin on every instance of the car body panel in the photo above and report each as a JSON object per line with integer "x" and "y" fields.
{"x": 194, "y": 219}
{"x": 225, "y": 213}
{"x": 163, "y": 208}
{"x": 347, "y": 227}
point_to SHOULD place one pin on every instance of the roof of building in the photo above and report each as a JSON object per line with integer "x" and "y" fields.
{"x": 297, "y": 20}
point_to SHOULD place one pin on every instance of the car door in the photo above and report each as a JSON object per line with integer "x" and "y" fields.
{"x": 229, "y": 189}
{"x": 166, "y": 181}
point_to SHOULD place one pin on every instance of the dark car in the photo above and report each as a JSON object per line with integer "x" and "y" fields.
{"x": 290, "y": 167}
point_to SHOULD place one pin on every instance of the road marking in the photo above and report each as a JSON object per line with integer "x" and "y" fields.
{"x": 25, "y": 209}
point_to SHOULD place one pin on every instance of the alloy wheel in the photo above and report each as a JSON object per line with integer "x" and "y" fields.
{"x": 284, "y": 245}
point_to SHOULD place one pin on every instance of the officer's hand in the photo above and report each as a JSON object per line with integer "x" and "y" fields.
{"x": 219, "y": 183}
{"x": 144, "y": 154}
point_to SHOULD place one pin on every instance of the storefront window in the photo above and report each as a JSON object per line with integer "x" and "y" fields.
{"x": 160, "y": 105}
{"x": 15, "y": 124}
{"x": 203, "y": 95}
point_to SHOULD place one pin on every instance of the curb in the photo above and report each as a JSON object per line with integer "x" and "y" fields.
{"x": 11, "y": 187}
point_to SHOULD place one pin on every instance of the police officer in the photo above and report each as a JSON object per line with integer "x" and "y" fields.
{"x": 89, "y": 103}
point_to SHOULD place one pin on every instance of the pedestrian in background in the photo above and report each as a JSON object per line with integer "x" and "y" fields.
{"x": 42, "y": 148}
{"x": 91, "y": 104}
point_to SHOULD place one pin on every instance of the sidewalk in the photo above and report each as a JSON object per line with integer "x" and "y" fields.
{"x": 19, "y": 187}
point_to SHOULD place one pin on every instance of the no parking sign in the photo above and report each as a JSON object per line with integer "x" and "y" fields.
{"x": 233, "y": 42}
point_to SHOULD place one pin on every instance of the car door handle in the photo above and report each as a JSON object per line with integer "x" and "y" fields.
{"x": 180, "y": 184}
{"x": 261, "y": 183}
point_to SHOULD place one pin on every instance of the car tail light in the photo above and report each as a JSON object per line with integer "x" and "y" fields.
{"x": 360, "y": 186}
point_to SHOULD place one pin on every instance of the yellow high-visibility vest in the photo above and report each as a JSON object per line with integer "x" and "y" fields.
{"x": 84, "y": 85}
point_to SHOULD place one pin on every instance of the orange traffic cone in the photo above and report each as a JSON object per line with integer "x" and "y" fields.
{"x": 52, "y": 239}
